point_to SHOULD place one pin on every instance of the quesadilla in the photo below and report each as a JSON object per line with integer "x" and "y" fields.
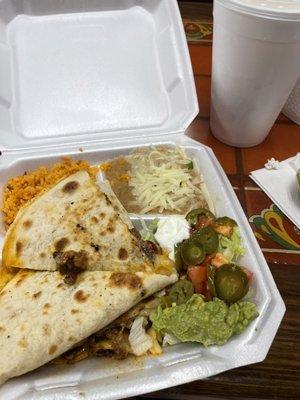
{"x": 42, "y": 317}
{"x": 6, "y": 274}
{"x": 45, "y": 310}
{"x": 74, "y": 223}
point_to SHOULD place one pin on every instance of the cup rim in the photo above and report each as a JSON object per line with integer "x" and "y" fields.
{"x": 290, "y": 14}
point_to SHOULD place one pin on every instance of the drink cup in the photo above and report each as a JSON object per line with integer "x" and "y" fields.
{"x": 256, "y": 63}
{"x": 292, "y": 106}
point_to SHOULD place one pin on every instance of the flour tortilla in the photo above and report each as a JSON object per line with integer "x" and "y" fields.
{"x": 6, "y": 274}
{"x": 41, "y": 317}
{"x": 74, "y": 215}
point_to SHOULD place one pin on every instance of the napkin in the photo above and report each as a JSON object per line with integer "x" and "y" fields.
{"x": 279, "y": 181}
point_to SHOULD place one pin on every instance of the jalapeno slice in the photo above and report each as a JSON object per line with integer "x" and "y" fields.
{"x": 194, "y": 216}
{"x": 181, "y": 292}
{"x": 192, "y": 252}
{"x": 226, "y": 221}
{"x": 231, "y": 283}
{"x": 208, "y": 238}
{"x": 224, "y": 226}
{"x": 165, "y": 301}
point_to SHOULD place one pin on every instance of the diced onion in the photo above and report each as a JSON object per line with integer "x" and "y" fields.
{"x": 139, "y": 341}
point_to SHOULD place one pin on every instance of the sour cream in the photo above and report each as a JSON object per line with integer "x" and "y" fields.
{"x": 170, "y": 231}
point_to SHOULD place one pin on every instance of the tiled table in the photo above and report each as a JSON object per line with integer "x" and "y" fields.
{"x": 278, "y": 377}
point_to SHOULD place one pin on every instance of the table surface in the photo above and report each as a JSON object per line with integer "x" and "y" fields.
{"x": 278, "y": 377}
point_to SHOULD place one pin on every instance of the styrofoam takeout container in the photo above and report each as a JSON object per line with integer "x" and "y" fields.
{"x": 105, "y": 77}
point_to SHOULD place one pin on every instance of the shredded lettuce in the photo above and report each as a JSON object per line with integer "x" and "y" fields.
{"x": 170, "y": 339}
{"x": 231, "y": 247}
{"x": 147, "y": 233}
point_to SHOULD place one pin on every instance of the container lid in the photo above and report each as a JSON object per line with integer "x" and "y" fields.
{"x": 85, "y": 70}
{"x": 281, "y": 9}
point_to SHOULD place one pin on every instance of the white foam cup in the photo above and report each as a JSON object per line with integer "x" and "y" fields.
{"x": 256, "y": 63}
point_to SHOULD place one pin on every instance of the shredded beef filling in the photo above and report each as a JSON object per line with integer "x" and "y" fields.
{"x": 71, "y": 264}
{"x": 111, "y": 341}
{"x": 150, "y": 249}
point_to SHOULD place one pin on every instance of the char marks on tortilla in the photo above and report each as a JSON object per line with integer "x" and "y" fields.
{"x": 73, "y": 228}
{"x": 74, "y": 215}
{"x": 42, "y": 317}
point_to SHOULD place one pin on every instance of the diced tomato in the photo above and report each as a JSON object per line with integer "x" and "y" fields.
{"x": 203, "y": 222}
{"x": 224, "y": 230}
{"x": 218, "y": 260}
{"x": 248, "y": 273}
{"x": 192, "y": 230}
{"x": 198, "y": 277}
{"x": 207, "y": 260}
{"x": 206, "y": 293}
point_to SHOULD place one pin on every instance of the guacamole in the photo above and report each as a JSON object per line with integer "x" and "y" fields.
{"x": 212, "y": 322}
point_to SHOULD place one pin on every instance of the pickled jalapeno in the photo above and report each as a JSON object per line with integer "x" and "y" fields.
{"x": 231, "y": 283}
{"x": 200, "y": 217}
{"x": 208, "y": 238}
{"x": 192, "y": 252}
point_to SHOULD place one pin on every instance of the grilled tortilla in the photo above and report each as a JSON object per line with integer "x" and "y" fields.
{"x": 42, "y": 317}
{"x": 74, "y": 216}
{"x": 41, "y": 314}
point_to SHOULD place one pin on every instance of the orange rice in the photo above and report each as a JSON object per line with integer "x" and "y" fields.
{"x": 21, "y": 189}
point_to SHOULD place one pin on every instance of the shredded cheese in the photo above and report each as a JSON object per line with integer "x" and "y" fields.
{"x": 105, "y": 166}
{"x": 156, "y": 349}
{"x": 161, "y": 179}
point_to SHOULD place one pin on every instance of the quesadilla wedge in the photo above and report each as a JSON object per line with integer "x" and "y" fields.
{"x": 6, "y": 274}
{"x": 74, "y": 222}
{"x": 42, "y": 317}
